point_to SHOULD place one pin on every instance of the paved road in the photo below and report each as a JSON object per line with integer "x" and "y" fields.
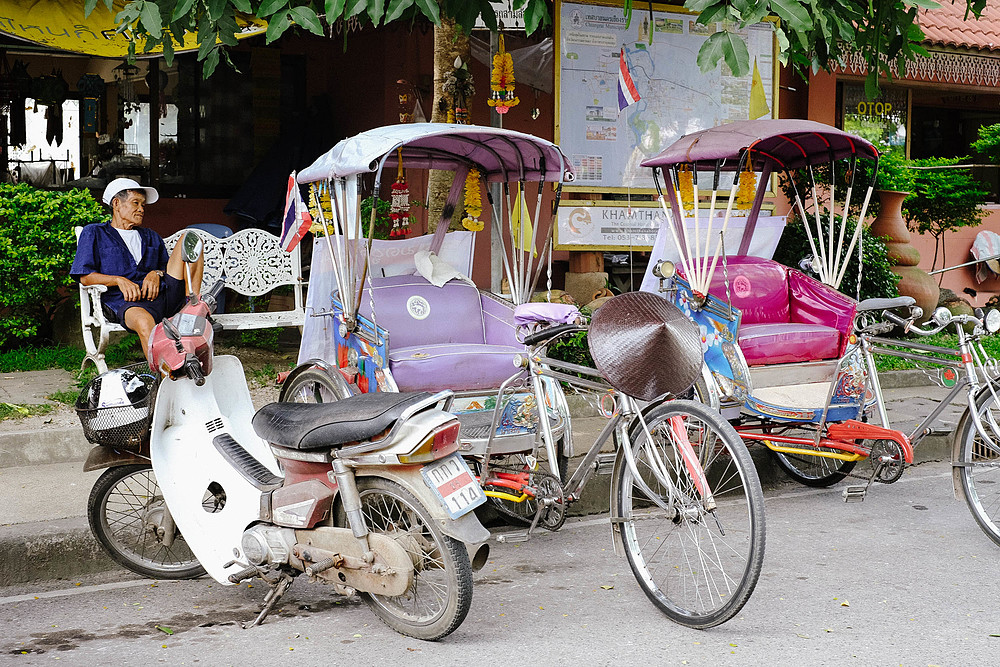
{"x": 904, "y": 578}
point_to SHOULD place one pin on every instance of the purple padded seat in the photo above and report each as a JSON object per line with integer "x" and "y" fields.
{"x": 787, "y": 316}
{"x": 449, "y": 337}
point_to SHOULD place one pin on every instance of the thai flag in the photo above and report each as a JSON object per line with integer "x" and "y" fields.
{"x": 296, "y": 221}
{"x": 627, "y": 93}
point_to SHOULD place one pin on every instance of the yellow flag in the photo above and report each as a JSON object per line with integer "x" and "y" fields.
{"x": 758, "y": 98}
{"x": 520, "y": 223}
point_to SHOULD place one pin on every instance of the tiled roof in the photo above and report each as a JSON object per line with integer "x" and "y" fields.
{"x": 946, "y": 26}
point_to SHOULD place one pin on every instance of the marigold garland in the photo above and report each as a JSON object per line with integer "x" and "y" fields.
{"x": 685, "y": 187}
{"x": 747, "y": 188}
{"x": 473, "y": 202}
{"x": 320, "y": 208}
{"x": 502, "y": 81}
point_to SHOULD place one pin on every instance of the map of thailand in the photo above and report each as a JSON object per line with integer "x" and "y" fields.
{"x": 606, "y": 146}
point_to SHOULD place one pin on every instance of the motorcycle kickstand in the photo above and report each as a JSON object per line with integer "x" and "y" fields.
{"x": 278, "y": 589}
{"x": 526, "y": 535}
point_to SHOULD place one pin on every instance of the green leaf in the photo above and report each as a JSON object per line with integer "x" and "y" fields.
{"x": 535, "y": 14}
{"x": 793, "y": 13}
{"x": 375, "y": 8}
{"x": 269, "y": 7}
{"x": 164, "y": 629}
{"x": 923, "y": 4}
{"x": 334, "y": 8}
{"x": 727, "y": 46}
{"x": 306, "y": 17}
{"x": 210, "y": 63}
{"x": 430, "y": 9}
{"x": 183, "y": 8}
{"x": 354, "y": 7}
{"x": 88, "y": 7}
{"x": 396, "y": 9}
{"x": 243, "y": 6}
{"x": 215, "y": 8}
{"x": 168, "y": 52}
{"x": 871, "y": 84}
{"x": 278, "y": 25}
{"x": 149, "y": 19}
{"x": 206, "y": 45}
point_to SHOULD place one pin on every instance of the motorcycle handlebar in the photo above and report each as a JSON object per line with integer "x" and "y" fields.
{"x": 192, "y": 368}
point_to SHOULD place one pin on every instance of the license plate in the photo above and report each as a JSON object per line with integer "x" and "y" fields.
{"x": 453, "y": 482}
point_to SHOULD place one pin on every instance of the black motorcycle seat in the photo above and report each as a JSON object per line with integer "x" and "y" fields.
{"x": 309, "y": 426}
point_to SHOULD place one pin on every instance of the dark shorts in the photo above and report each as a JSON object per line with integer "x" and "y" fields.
{"x": 170, "y": 300}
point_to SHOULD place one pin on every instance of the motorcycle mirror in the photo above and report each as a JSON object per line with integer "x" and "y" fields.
{"x": 191, "y": 247}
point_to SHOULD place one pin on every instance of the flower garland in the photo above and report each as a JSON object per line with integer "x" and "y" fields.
{"x": 685, "y": 187}
{"x": 473, "y": 202}
{"x": 747, "y": 188}
{"x": 320, "y": 208}
{"x": 502, "y": 81}
{"x": 399, "y": 210}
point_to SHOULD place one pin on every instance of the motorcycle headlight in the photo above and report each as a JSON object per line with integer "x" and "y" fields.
{"x": 992, "y": 321}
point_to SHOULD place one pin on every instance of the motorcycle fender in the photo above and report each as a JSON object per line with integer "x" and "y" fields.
{"x": 186, "y": 420}
{"x": 106, "y": 457}
{"x": 465, "y": 528}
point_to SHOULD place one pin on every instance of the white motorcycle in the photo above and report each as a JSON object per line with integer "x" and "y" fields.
{"x": 368, "y": 494}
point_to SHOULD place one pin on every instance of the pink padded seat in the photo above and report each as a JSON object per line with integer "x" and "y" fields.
{"x": 787, "y": 316}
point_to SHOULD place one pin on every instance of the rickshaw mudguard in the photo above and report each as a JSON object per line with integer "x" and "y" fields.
{"x": 718, "y": 324}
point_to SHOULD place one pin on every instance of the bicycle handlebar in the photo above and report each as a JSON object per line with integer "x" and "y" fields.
{"x": 551, "y": 332}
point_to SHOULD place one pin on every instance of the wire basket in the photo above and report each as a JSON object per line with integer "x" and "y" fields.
{"x": 123, "y": 427}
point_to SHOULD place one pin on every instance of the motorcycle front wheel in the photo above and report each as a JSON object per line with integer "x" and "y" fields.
{"x": 440, "y": 596}
{"x": 125, "y": 510}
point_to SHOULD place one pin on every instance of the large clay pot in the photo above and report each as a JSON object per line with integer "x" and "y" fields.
{"x": 912, "y": 281}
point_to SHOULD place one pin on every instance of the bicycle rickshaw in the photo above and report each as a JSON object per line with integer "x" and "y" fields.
{"x": 399, "y": 315}
{"x": 789, "y": 359}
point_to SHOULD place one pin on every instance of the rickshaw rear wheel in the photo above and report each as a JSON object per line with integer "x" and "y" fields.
{"x": 816, "y": 471}
{"x": 314, "y": 385}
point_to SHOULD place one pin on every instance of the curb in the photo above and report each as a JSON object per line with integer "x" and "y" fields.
{"x": 58, "y": 549}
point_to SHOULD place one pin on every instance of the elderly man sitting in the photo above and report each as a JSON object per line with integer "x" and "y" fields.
{"x": 144, "y": 285}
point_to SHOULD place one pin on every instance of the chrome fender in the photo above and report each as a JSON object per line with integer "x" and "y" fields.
{"x": 186, "y": 419}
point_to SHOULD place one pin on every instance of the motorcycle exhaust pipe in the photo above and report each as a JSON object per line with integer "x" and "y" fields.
{"x": 480, "y": 557}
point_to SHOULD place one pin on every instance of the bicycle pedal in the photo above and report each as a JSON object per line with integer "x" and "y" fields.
{"x": 605, "y": 464}
{"x": 854, "y": 494}
{"x": 509, "y": 538}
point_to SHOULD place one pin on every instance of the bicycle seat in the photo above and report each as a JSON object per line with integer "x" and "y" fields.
{"x": 885, "y": 304}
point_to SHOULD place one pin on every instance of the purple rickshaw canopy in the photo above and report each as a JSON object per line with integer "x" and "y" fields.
{"x": 786, "y": 143}
{"x": 501, "y": 155}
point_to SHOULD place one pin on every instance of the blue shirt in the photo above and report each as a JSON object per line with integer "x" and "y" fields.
{"x": 101, "y": 249}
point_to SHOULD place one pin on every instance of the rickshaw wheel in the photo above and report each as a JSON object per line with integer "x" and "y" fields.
{"x": 314, "y": 385}
{"x": 816, "y": 471}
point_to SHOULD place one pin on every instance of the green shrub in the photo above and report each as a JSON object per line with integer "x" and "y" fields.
{"x": 877, "y": 278}
{"x": 943, "y": 199}
{"x": 37, "y": 246}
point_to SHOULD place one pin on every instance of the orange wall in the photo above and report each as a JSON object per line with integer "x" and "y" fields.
{"x": 956, "y": 251}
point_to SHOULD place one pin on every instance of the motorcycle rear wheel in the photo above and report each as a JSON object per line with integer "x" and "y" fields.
{"x": 440, "y": 596}
{"x": 124, "y": 509}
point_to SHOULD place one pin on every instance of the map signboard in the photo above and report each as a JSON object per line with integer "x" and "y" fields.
{"x": 606, "y": 146}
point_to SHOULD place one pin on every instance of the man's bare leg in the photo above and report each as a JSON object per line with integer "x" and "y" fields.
{"x": 140, "y": 321}
{"x": 175, "y": 267}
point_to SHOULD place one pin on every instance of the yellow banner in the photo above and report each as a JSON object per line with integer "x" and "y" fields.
{"x": 61, "y": 25}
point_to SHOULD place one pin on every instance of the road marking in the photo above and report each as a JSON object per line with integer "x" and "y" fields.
{"x": 79, "y": 590}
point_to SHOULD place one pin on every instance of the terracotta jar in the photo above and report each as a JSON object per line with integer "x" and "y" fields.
{"x": 903, "y": 256}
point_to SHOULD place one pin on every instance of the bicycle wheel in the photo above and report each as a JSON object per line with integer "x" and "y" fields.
{"x": 125, "y": 510}
{"x": 980, "y": 465}
{"x": 440, "y": 596}
{"x": 696, "y": 564}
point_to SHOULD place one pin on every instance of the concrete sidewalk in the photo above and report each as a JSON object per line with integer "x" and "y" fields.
{"x": 44, "y": 532}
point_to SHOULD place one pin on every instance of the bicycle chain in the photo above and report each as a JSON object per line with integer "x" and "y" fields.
{"x": 854, "y": 475}
{"x": 501, "y": 505}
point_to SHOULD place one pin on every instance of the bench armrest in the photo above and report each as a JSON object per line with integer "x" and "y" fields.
{"x": 813, "y": 302}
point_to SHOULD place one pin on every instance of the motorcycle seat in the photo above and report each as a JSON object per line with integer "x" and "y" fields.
{"x": 311, "y": 426}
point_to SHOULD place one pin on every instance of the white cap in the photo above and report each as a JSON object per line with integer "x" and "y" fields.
{"x": 119, "y": 184}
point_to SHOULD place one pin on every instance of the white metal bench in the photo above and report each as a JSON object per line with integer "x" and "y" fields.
{"x": 254, "y": 265}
